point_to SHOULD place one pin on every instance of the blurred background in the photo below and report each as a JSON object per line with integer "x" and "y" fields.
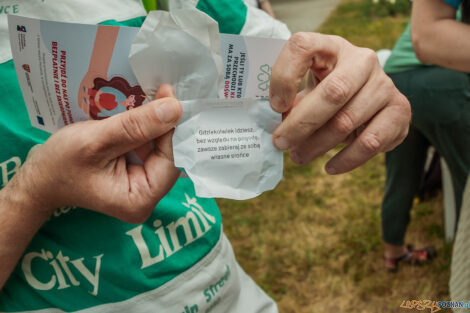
{"x": 314, "y": 244}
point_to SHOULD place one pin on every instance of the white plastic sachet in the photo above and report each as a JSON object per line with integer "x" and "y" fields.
{"x": 224, "y": 146}
{"x": 181, "y": 49}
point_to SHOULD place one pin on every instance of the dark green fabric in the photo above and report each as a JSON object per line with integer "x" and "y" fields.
{"x": 466, "y": 11}
{"x": 230, "y": 15}
{"x": 440, "y": 101}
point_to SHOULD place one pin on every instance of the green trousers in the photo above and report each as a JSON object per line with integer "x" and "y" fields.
{"x": 440, "y": 101}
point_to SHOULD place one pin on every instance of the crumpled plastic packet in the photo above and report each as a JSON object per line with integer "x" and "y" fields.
{"x": 225, "y": 147}
{"x": 182, "y": 49}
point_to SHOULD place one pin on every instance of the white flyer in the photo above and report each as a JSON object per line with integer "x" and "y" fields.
{"x": 55, "y": 60}
{"x": 226, "y": 147}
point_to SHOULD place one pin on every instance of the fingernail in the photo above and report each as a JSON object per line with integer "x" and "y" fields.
{"x": 330, "y": 170}
{"x": 278, "y": 103}
{"x": 281, "y": 143}
{"x": 295, "y": 157}
{"x": 167, "y": 112}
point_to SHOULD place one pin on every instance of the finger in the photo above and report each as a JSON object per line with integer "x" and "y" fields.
{"x": 164, "y": 91}
{"x": 372, "y": 98}
{"x": 300, "y": 95}
{"x": 150, "y": 183}
{"x": 163, "y": 154}
{"x": 301, "y": 52}
{"x": 160, "y": 167}
{"x": 126, "y": 131}
{"x": 386, "y": 130}
{"x": 326, "y": 99}
{"x": 164, "y": 145}
{"x": 147, "y": 185}
{"x": 158, "y": 173}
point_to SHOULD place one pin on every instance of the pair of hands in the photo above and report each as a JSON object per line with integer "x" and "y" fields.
{"x": 84, "y": 164}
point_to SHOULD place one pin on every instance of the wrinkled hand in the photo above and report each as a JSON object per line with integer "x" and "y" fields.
{"x": 350, "y": 99}
{"x": 84, "y": 164}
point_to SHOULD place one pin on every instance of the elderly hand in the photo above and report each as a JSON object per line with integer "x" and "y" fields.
{"x": 84, "y": 164}
{"x": 350, "y": 99}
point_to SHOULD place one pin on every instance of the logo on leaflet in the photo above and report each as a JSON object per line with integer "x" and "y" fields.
{"x": 263, "y": 77}
{"x": 21, "y": 28}
{"x": 21, "y": 37}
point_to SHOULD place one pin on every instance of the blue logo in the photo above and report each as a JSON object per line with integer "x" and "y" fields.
{"x": 40, "y": 120}
{"x": 21, "y": 28}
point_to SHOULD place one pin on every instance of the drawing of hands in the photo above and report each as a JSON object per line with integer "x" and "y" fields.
{"x": 84, "y": 90}
{"x": 100, "y": 59}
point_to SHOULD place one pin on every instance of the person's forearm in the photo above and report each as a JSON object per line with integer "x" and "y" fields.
{"x": 439, "y": 39}
{"x": 73, "y": 165}
{"x": 20, "y": 219}
{"x": 454, "y": 51}
{"x": 103, "y": 49}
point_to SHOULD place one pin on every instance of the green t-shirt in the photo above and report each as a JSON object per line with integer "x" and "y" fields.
{"x": 403, "y": 57}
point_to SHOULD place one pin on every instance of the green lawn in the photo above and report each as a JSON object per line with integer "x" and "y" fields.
{"x": 355, "y": 21}
{"x": 314, "y": 242}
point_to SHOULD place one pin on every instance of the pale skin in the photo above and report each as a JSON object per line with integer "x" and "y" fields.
{"x": 437, "y": 37}
{"x": 74, "y": 163}
{"x": 354, "y": 101}
{"x": 355, "y": 104}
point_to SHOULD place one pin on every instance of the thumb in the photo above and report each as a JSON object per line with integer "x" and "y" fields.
{"x": 126, "y": 131}
{"x": 303, "y": 51}
{"x": 165, "y": 90}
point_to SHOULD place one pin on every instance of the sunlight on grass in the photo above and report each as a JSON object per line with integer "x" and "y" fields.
{"x": 355, "y": 21}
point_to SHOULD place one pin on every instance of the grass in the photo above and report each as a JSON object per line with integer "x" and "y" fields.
{"x": 355, "y": 20}
{"x": 314, "y": 243}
